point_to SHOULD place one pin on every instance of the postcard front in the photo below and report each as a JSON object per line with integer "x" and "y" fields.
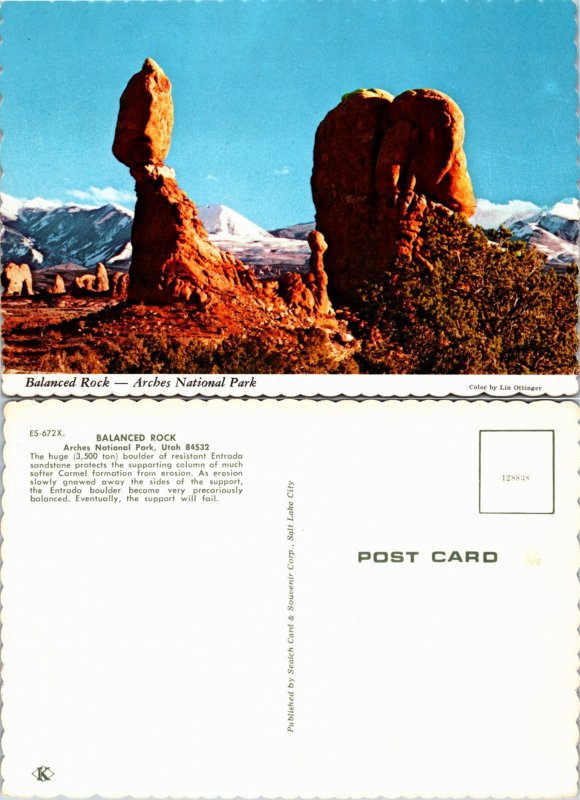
{"x": 290, "y": 599}
{"x": 279, "y": 198}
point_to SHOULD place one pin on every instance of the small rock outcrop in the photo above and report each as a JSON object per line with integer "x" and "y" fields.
{"x": 101, "y": 278}
{"x": 17, "y": 280}
{"x": 317, "y": 277}
{"x": 92, "y": 284}
{"x": 381, "y": 165}
{"x": 58, "y": 287}
{"x": 120, "y": 285}
{"x": 308, "y": 291}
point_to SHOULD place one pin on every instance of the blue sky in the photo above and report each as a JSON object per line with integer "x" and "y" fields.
{"x": 252, "y": 80}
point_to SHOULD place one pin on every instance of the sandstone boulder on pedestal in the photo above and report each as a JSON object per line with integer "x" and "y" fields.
{"x": 17, "y": 280}
{"x": 173, "y": 258}
{"x": 145, "y": 121}
{"x": 382, "y": 165}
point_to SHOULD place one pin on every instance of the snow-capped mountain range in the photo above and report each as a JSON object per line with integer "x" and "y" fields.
{"x": 491, "y": 215}
{"x": 47, "y": 234}
{"x": 553, "y": 231}
{"x": 225, "y": 224}
{"x": 44, "y": 234}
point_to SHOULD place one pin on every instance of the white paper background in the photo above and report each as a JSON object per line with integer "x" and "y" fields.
{"x": 145, "y": 648}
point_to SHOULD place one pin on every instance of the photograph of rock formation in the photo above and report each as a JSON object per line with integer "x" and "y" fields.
{"x": 401, "y": 270}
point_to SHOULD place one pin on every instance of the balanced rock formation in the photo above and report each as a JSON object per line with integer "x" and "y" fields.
{"x": 92, "y": 284}
{"x": 58, "y": 287}
{"x": 17, "y": 280}
{"x": 173, "y": 258}
{"x": 381, "y": 166}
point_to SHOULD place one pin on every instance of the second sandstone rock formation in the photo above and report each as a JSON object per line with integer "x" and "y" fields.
{"x": 381, "y": 165}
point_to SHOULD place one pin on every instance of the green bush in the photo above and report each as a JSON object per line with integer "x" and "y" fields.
{"x": 484, "y": 308}
{"x": 159, "y": 353}
{"x": 70, "y": 360}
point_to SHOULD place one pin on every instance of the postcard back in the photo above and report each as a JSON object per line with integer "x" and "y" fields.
{"x": 290, "y": 599}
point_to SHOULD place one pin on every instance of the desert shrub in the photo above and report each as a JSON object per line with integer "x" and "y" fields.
{"x": 159, "y": 353}
{"x": 484, "y": 308}
{"x": 315, "y": 356}
{"x": 238, "y": 354}
{"x": 311, "y": 353}
{"x": 79, "y": 360}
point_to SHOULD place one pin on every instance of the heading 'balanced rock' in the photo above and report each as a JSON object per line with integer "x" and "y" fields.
{"x": 381, "y": 164}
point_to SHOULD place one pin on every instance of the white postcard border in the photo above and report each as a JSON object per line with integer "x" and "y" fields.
{"x": 328, "y": 386}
